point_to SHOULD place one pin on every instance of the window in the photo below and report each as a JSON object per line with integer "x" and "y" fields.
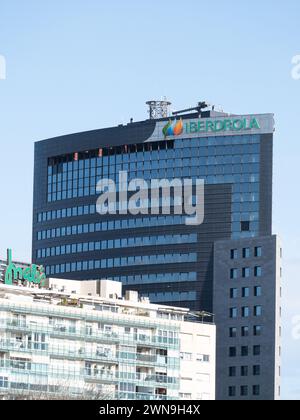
{"x": 256, "y": 390}
{"x": 232, "y": 351}
{"x": 244, "y": 370}
{"x": 245, "y": 292}
{"x": 245, "y": 226}
{"x": 234, "y": 254}
{"x": 246, "y": 272}
{"x": 256, "y": 370}
{"x": 233, "y": 313}
{"x": 232, "y": 391}
{"x": 232, "y": 371}
{"x": 233, "y": 293}
{"x": 246, "y": 252}
{"x": 244, "y": 391}
{"x": 244, "y": 351}
{"x": 185, "y": 396}
{"x": 245, "y": 331}
{"x": 234, "y": 273}
{"x": 258, "y": 251}
{"x": 257, "y": 291}
{"x": 245, "y": 312}
{"x": 232, "y": 332}
{"x": 186, "y": 356}
{"x": 3, "y": 382}
{"x": 257, "y": 310}
{"x": 257, "y": 329}
{"x": 256, "y": 350}
{"x": 257, "y": 272}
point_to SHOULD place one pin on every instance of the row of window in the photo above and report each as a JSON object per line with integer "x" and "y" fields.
{"x": 245, "y": 331}
{"x": 186, "y": 167}
{"x": 246, "y": 252}
{"x": 245, "y": 311}
{"x": 121, "y": 262}
{"x": 103, "y": 167}
{"x": 156, "y": 150}
{"x": 157, "y": 278}
{"x": 171, "y": 296}
{"x": 116, "y": 244}
{"x": 47, "y": 216}
{"x": 61, "y": 184}
{"x": 141, "y": 222}
{"x": 64, "y": 192}
{"x": 245, "y": 292}
{"x": 244, "y": 391}
{"x": 244, "y": 184}
{"x": 77, "y": 211}
{"x": 244, "y": 371}
{"x": 244, "y": 351}
{"x": 245, "y": 272}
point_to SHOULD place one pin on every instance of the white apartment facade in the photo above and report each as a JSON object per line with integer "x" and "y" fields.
{"x": 83, "y": 340}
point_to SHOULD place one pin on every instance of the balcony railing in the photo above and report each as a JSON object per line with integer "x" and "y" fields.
{"x": 87, "y": 334}
{"x": 13, "y": 368}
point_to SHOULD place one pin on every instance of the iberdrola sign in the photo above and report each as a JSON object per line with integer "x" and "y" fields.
{"x": 178, "y": 127}
{"x": 33, "y": 274}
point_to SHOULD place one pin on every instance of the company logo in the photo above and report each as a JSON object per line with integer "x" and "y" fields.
{"x": 216, "y": 126}
{"x": 33, "y": 274}
{"x": 174, "y": 128}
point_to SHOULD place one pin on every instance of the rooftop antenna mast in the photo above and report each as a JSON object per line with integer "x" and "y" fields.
{"x": 158, "y": 109}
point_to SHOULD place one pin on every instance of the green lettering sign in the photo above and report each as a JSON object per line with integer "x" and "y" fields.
{"x": 33, "y": 274}
{"x": 254, "y": 124}
{"x": 214, "y": 126}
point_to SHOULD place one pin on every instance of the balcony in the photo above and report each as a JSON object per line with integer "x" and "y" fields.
{"x": 99, "y": 375}
{"x": 146, "y": 358}
{"x": 89, "y": 334}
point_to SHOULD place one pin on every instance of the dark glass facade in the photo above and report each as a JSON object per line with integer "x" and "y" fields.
{"x": 158, "y": 255}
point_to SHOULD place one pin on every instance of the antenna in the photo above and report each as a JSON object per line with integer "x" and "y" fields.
{"x": 198, "y": 108}
{"x": 158, "y": 109}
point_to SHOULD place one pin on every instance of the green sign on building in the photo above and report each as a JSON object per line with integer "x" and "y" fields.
{"x": 33, "y": 274}
{"x": 203, "y": 125}
{"x": 215, "y": 126}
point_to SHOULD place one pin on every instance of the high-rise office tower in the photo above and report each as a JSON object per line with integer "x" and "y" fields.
{"x": 228, "y": 265}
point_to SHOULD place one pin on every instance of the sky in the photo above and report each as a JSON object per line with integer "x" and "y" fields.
{"x": 74, "y": 65}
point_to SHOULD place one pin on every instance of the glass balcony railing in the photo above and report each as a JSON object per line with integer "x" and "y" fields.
{"x": 54, "y": 392}
{"x": 41, "y": 373}
{"x": 96, "y": 316}
{"x": 147, "y": 358}
{"x": 143, "y": 396}
{"x": 88, "y": 334}
{"x": 81, "y": 354}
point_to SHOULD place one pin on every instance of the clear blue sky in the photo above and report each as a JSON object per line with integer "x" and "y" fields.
{"x": 78, "y": 65}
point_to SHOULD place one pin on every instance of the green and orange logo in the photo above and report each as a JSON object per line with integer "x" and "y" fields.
{"x": 173, "y": 128}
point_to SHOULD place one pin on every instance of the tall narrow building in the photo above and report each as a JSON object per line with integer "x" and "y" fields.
{"x": 228, "y": 265}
